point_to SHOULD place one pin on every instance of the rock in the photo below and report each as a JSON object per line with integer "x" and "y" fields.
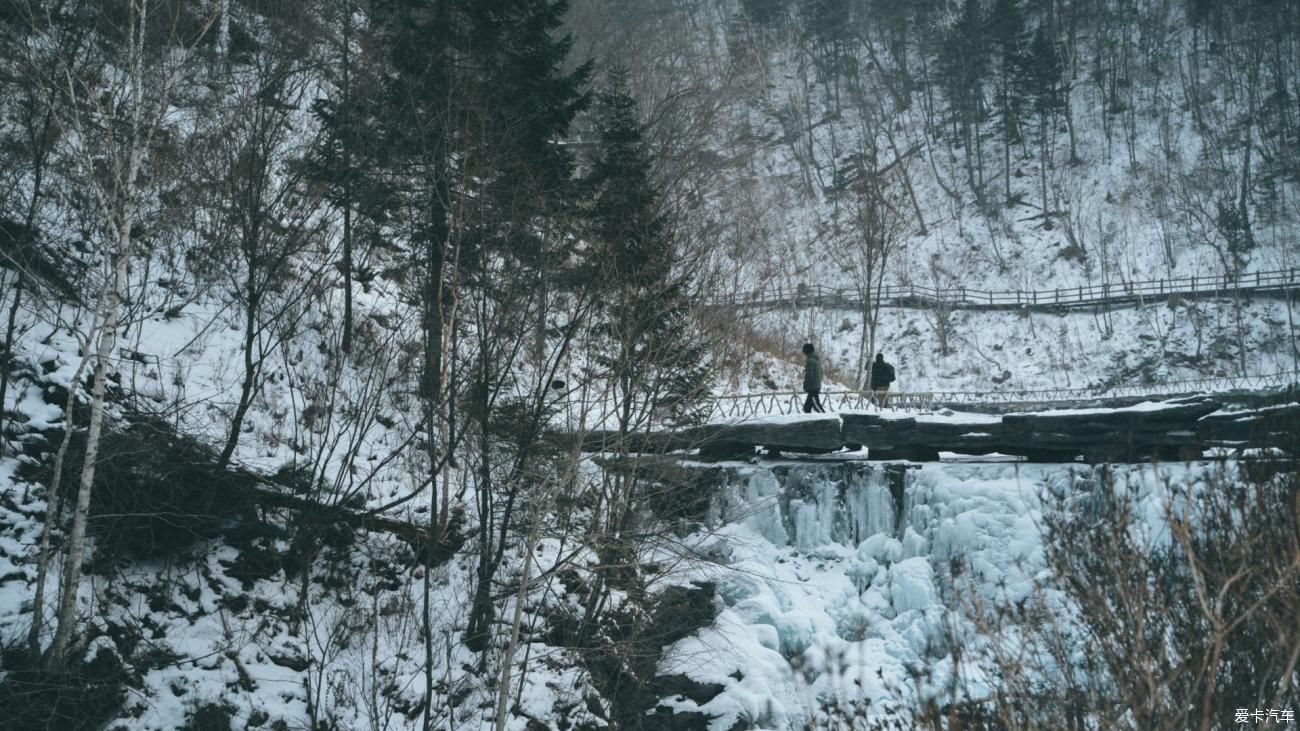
{"x": 877, "y": 432}
{"x": 1177, "y": 429}
{"x": 814, "y": 433}
{"x": 1268, "y": 426}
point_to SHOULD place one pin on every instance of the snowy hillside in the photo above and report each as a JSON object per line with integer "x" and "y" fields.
{"x": 337, "y": 340}
{"x": 989, "y": 145}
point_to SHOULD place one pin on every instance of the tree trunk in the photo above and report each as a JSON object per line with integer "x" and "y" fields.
{"x": 433, "y": 323}
{"x": 1248, "y": 136}
{"x": 1006, "y": 137}
{"x": 970, "y": 166}
{"x": 223, "y": 33}
{"x": 347, "y": 184}
{"x": 51, "y": 510}
{"x": 77, "y": 538}
{"x": 865, "y": 343}
{"x": 1042, "y": 168}
{"x": 10, "y": 328}
{"x": 508, "y": 656}
{"x": 1290, "y": 316}
{"x": 247, "y": 386}
{"x": 347, "y": 273}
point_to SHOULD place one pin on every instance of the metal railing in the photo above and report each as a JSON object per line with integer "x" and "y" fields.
{"x": 911, "y": 295}
{"x": 733, "y": 407}
{"x": 791, "y": 402}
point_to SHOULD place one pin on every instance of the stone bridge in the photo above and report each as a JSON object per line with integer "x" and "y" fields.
{"x": 1177, "y": 429}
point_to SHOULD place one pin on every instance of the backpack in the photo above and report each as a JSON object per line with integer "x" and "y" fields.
{"x": 889, "y": 374}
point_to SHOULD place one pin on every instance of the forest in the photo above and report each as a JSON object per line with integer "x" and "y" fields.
{"x": 307, "y": 307}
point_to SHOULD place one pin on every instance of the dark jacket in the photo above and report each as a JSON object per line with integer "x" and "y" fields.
{"x": 812, "y": 373}
{"x": 882, "y": 374}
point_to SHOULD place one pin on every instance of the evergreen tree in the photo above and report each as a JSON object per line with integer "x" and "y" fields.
{"x": 1042, "y": 72}
{"x": 477, "y": 97}
{"x": 648, "y": 352}
{"x": 828, "y": 27}
{"x": 1006, "y": 29}
{"x": 962, "y": 67}
{"x": 345, "y": 158}
{"x": 765, "y": 13}
{"x": 1043, "y": 76}
{"x": 1233, "y": 224}
{"x": 656, "y": 362}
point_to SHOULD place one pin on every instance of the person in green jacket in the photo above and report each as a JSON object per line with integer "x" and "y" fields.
{"x": 812, "y": 380}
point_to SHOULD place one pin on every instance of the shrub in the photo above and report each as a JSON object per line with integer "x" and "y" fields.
{"x": 1174, "y": 625}
{"x": 86, "y": 695}
{"x": 156, "y": 491}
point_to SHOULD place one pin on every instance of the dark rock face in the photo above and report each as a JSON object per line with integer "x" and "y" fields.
{"x": 625, "y": 660}
{"x": 1270, "y": 426}
{"x": 811, "y": 434}
{"x": 1115, "y": 434}
{"x": 875, "y": 431}
{"x": 1178, "y": 429}
{"x": 1169, "y": 424}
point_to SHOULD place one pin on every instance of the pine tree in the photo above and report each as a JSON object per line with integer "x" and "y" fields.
{"x": 478, "y": 96}
{"x": 1042, "y": 77}
{"x": 345, "y": 156}
{"x": 828, "y": 27}
{"x": 655, "y": 360}
{"x": 765, "y": 13}
{"x": 1006, "y": 28}
{"x": 962, "y": 67}
{"x": 649, "y": 354}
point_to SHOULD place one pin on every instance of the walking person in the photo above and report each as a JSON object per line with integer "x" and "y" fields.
{"x": 882, "y": 374}
{"x": 812, "y": 380}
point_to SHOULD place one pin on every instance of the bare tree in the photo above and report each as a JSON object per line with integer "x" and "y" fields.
{"x": 27, "y": 145}
{"x": 117, "y": 115}
{"x": 873, "y": 222}
{"x": 1163, "y": 634}
{"x": 256, "y": 207}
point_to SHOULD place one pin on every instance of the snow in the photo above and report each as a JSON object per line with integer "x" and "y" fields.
{"x": 811, "y": 614}
{"x": 1142, "y": 408}
{"x": 911, "y": 585}
{"x": 827, "y": 589}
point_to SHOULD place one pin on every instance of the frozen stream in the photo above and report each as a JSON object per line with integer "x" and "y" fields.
{"x": 832, "y": 591}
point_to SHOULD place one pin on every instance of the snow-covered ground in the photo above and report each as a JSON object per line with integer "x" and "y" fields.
{"x": 1004, "y": 351}
{"x": 828, "y": 592}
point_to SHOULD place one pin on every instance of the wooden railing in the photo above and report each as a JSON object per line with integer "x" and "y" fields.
{"x": 1120, "y": 293}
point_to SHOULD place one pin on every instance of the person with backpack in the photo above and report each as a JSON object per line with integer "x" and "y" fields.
{"x": 812, "y": 380}
{"x": 882, "y": 374}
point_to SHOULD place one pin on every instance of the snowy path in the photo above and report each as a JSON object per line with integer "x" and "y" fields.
{"x": 1115, "y": 294}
